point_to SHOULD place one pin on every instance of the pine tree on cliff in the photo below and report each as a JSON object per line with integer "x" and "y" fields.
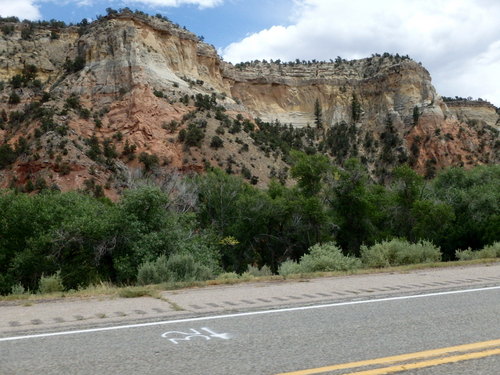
{"x": 318, "y": 116}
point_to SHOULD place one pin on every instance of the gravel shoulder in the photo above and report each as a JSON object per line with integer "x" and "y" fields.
{"x": 21, "y": 317}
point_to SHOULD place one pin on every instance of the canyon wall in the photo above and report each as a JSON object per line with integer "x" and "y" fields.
{"x": 134, "y": 75}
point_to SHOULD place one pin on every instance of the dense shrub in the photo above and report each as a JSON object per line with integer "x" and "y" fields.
{"x": 193, "y": 136}
{"x": 14, "y": 98}
{"x": 51, "y": 284}
{"x": 27, "y": 32}
{"x": 149, "y": 272}
{"x": 44, "y": 233}
{"x": 7, "y": 29}
{"x": 17, "y": 81}
{"x": 158, "y": 94}
{"x": 7, "y": 155}
{"x": 256, "y": 271}
{"x": 183, "y": 267}
{"x": 491, "y": 251}
{"x": 178, "y": 267}
{"x": 216, "y": 142}
{"x": 327, "y": 257}
{"x": 474, "y": 197}
{"x": 90, "y": 239}
{"x": 150, "y": 161}
{"x": 399, "y": 252}
{"x": 288, "y": 267}
{"x": 17, "y": 289}
{"x": 75, "y": 65}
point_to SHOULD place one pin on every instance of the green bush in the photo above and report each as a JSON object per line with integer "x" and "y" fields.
{"x": 256, "y": 271}
{"x": 158, "y": 93}
{"x": 491, "y": 251}
{"x": 17, "y": 289}
{"x": 147, "y": 274}
{"x": 182, "y": 267}
{"x": 193, "y": 136}
{"x": 14, "y": 98}
{"x": 7, "y": 155}
{"x": 51, "y": 284}
{"x": 178, "y": 267}
{"x": 399, "y": 252}
{"x": 73, "y": 66}
{"x": 216, "y": 142}
{"x": 150, "y": 161}
{"x": 288, "y": 267}
{"x": 327, "y": 257}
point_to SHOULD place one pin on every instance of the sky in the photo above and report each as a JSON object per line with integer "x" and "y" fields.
{"x": 458, "y": 41}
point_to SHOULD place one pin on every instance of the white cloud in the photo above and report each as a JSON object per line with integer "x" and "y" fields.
{"x": 158, "y": 3}
{"x": 457, "y": 40}
{"x": 178, "y": 3}
{"x": 23, "y": 9}
{"x": 153, "y": 3}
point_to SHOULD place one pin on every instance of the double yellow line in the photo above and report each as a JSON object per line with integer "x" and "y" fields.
{"x": 430, "y": 358}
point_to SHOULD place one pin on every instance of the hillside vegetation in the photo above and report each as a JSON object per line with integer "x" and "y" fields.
{"x": 130, "y": 152}
{"x": 194, "y": 228}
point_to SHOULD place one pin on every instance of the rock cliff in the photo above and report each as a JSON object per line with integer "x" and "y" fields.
{"x": 470, "y": 111}
{"x": 88, "y": 106}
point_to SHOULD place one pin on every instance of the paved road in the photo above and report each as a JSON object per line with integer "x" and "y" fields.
{"x": 282, "y": 340}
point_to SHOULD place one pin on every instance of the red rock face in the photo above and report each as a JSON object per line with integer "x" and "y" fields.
{"x": 138, "y": 89}
{"x": 447, "y": 143}
{"x": 140, "y": 117}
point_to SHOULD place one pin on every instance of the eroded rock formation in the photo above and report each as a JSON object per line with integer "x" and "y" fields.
{"x": 129, "y": 84}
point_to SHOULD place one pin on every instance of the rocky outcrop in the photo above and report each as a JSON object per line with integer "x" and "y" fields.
{"x": 370, "y": 92}
{"x": 139, "y": 80}
{"x": 470, "y": 111}
{"x": 289, "y": 92}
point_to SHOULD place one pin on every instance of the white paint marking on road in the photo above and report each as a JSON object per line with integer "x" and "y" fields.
{"x": 251, "y": 313}
{"x": 195, "y": 333}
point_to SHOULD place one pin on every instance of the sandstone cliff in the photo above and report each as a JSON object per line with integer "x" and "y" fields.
{"x": 470, "y": 111}
{"x": 93, "y": 98}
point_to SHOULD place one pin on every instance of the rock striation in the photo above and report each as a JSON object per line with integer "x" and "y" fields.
{"x": 132, "y": 84}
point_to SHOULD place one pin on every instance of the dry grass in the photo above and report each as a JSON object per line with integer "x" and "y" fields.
{"x": 108, "y": 290}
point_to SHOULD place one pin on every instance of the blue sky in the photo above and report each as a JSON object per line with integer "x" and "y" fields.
{"x": 220, "y": 25}
{"x": 458, "y": 41}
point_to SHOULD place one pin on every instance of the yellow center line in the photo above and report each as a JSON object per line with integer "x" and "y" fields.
{"x": 398, "y": 358}
{"x": 430, "y": 363}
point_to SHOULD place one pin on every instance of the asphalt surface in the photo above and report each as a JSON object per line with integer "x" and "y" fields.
{"x": 268, "y": 338}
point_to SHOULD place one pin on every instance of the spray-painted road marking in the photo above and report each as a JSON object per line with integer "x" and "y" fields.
{"x": 193, "y": 334}
{"x": 443, "y": 352}
{"x": 251, "y": 313}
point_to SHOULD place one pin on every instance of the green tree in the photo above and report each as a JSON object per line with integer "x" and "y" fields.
{"x": 48, "y": 232}
{"x": 474, "y": 197}
{"x": 16, "y": 81}
{"x": 309, "y": 170}
{"x": 408, "y": 187}
{"x": 193, "y": 136}
{"x": 14, "y": 98}
{"x": 218, "y": 193}
{"x": 318, "y": 114}
{"x": 216, "y": 142}
{"x": 7, "y": 155}
{"x": 150, "y": 161}
{"x": 353, "y": 211}
{"x": 355, "y": 108}
{"x": 416, "y": 115}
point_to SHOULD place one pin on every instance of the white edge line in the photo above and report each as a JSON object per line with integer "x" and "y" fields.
{"x": 262, "y": 312}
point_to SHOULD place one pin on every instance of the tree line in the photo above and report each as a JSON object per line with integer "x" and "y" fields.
{"x": 216, "y": 222}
